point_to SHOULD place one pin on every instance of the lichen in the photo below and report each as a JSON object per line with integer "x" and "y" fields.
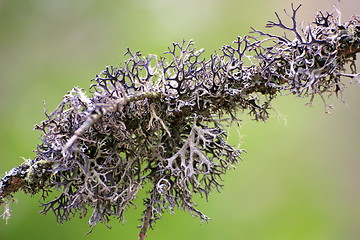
{"x": 162, "y": 121}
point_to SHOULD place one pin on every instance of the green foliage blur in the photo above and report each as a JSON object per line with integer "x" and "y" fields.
{"x": 299, "y": 178}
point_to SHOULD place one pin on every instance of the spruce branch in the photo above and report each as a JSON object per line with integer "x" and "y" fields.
{"x": 162, "y": 121}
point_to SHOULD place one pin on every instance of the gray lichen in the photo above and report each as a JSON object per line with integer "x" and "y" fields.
{"x": 162, "y": 121}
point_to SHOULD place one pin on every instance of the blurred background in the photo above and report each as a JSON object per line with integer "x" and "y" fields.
{"x": 300, "y": 176}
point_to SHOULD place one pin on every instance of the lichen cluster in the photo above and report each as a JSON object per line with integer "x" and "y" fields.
{"x": 161, "y": 122}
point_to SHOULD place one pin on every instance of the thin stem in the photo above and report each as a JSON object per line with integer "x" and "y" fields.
{"x": 146, "y": 223}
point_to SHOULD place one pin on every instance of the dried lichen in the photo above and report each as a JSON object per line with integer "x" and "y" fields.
{"x": 160, "y": 121}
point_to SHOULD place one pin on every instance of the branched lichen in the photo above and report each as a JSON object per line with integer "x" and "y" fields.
{"x": 162, "y": 121}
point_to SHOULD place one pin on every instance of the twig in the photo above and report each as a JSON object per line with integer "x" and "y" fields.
{"x": 113, "y": 106}
{"x": 146, "y": 222}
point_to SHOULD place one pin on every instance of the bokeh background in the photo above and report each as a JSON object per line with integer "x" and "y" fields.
{"x": 299, "y": 178}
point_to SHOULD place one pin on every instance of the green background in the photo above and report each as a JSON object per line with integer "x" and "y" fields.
{"x": 299, "y": 178}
